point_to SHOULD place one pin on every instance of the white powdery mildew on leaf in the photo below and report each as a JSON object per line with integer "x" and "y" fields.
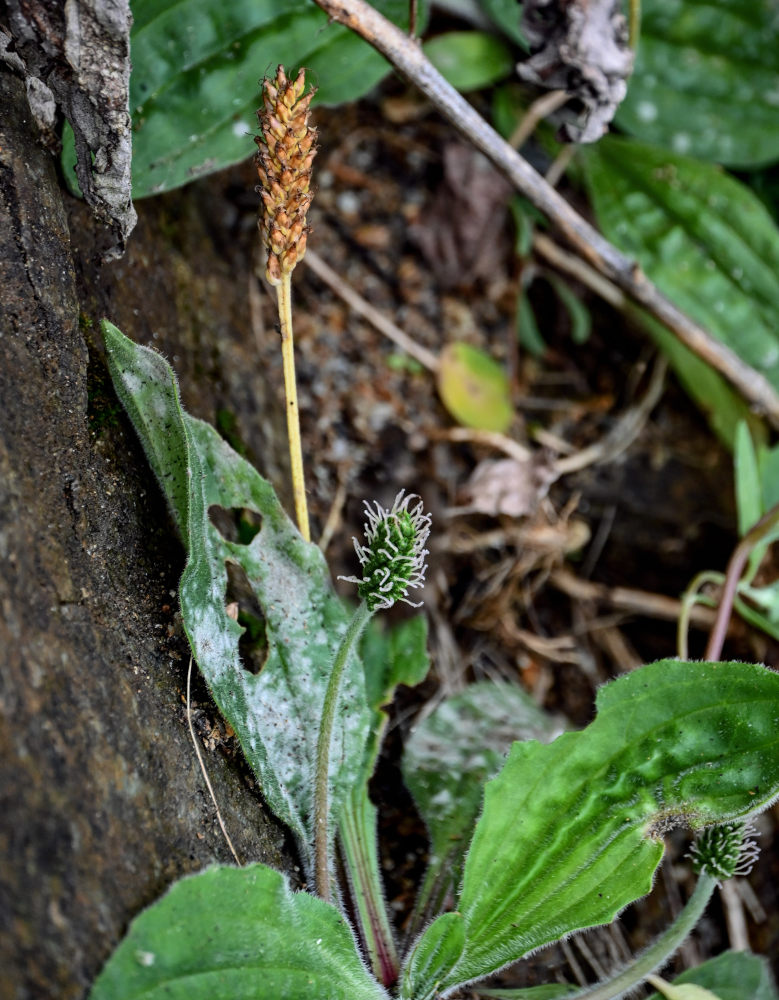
{"x": 275, "y": 714}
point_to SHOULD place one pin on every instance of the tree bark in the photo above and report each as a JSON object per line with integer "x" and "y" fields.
{"x": 102, "y": 804}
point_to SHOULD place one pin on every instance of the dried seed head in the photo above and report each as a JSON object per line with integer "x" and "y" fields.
{"x": 393, "y": 556}
{"x": 725, "y": 851}
{"x": 286, "y": 150}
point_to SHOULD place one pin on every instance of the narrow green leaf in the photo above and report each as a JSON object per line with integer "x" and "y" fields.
{"x": 706, "y": 80}
{"x": 236, "y": 932}
{"x": 197, "y": 65}
{"x": 450, "y": 755}
{"x": 719, "y": 402}
{"x": 469, "y": 60}
{"x": 528, "y": 332}
{"x": 735, "y": 975}
{"x": 579, "y": 314}
{"x": 702, "y": 237}
{"x": 747, "y": 480}
{"x": 275, "y": 713}
{"x": 571, "y": 830}
{"x": 474, "y": 388}
{"x": 432, "y": 957}
{"x": 552, "y": 991}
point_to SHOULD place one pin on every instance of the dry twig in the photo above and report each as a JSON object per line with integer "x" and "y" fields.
{"x": 407, "y": 57}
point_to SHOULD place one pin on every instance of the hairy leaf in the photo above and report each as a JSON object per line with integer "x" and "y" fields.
{"x": 702, "y": 237}
{"x": 450, "y": 755}
{"x": 276, "y": 712}
{"x": 706, "y": 80}
{"x": 237, "y": 932}
{"x": 571, "y": 830}
{"x": 434, "y": 953}
{"x": 197, "y": 65}
{"x": 734, "y": 975}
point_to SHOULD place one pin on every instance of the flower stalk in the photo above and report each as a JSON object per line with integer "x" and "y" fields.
{"x": 393, "y": 560}
{"x": 286, "y": 150}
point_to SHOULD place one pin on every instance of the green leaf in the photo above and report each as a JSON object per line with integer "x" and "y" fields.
{"x": 702, "y": 237}
{"x": 236, "y": 932}
{"x": 747, "y": 480}
{"x": 433, "y": 955}
{"x": 392, "y": 656}
{"x": 720, "y": 403}
{"x": 686, "y": 992}
{"x": 706, "y": 80}
{"x": 474, "y": 388}
{"x": 449, "y": 756}
{"x": 571, "y": 830}
{"x": 552, "y": 991}
{"x": 579, "y": 314}
{"x": 275, "y": 713}
{"x": 735, "y": 975}
{"x": 469, "y": 60}
{"x": 528, "y": 333}
{"x": 194, "y": 86}
{"x": 507, "y": 14}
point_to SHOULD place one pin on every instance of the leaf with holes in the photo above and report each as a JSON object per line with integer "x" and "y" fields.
{"x": 706, "y": 80}
{"x": 237, "y": 932}
{"x": 276, "y": 712}
{"x": 571, "y": 830}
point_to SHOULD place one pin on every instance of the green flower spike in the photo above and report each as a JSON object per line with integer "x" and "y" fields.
{"x": 393, "y": 556}
{"x": 725, "y": 851}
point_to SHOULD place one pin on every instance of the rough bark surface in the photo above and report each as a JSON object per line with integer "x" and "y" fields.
{"x": 76, "y": 56}
{"x": 102, "y": 804}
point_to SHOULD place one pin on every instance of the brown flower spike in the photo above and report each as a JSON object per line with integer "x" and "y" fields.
{"x": 286, "y": 152}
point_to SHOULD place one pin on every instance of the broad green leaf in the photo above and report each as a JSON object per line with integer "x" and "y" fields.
{"x": 236, "y": 932}
{"x": 433, "y": 955}
{"x": 702, "y": 237}
{"x": 449, "y": 756}
{"x": 197, "y": 66}
{"x": 506, "y": 14}
{"x": 735, "y": 975}
{"x": 276, "y": 712}
{"x": 706, "y": 80}
{"x": 474, "y": 388}
{"x": 571, "y": 831}
{"x": 469, "y": 60}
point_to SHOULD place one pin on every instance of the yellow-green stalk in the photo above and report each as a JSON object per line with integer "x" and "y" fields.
{"x": 286, "y": 150}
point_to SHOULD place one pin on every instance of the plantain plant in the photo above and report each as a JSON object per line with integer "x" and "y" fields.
{"x": 569, "y": 832}
{"x": 535, "y": 833}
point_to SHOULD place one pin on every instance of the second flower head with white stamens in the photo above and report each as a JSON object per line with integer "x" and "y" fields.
{"x": 393, "y": 555}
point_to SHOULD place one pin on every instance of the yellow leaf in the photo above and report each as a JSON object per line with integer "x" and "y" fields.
{"x": 474, "y": 388}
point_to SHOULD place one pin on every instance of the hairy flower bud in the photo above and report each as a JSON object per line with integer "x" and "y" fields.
{"x": 393, "y": 556}
{"x": 286, "y": 150}
{"x": 725, "y": 851}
